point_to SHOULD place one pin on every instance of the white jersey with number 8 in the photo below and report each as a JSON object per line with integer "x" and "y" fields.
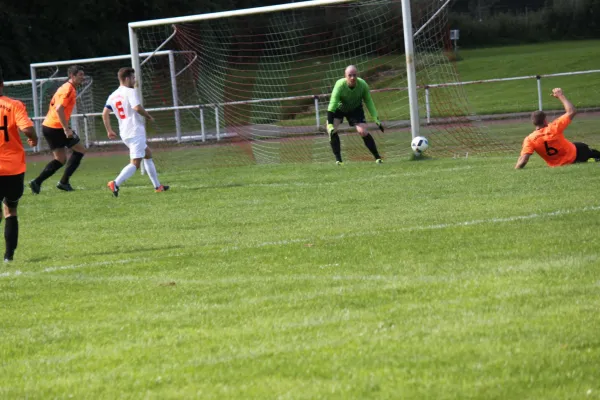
{"x": 121, "y": 102}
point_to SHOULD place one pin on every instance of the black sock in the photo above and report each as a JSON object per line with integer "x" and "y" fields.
{"x": 370, "y": 143}
{"x": 72, "y": 165}
{"x": 50, "y": 169}
{"x": 11, "y": 236}
{"x": 336, "y": 146}
{"x": 594, "y": 153}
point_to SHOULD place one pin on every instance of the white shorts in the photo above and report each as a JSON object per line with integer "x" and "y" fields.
{"x": 137, "y": 146}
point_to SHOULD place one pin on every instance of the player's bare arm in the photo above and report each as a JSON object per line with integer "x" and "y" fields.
{"x": 522, "y": 162}
{"x": 142, "y": 111}
{"x": 32, "y": 139}
{"x": 60, "y": 111}
{"x": 106, "y": 121}
{"x": 570, "y": 109}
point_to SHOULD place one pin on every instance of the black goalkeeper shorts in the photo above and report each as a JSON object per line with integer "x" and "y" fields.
{"x": 356, "y": 116}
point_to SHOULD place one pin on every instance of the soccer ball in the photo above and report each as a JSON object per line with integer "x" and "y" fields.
{"x": 419, "y": 144}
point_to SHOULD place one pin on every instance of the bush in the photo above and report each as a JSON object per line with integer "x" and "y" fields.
{"x": 560, "y": 21}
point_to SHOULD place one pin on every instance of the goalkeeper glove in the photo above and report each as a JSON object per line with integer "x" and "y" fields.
{"x": 330, "y": 129}
{"x": 380, "y": 125}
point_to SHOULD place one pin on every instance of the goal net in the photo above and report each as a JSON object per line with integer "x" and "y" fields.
{"x": 263, "y": 77}
{"x": 100, "y": 81}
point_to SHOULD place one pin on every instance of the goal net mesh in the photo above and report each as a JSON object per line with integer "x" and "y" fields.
{"x": 262, "y": 81}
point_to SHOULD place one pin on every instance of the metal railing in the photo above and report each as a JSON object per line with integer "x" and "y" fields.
{"x": 217, "y": 133}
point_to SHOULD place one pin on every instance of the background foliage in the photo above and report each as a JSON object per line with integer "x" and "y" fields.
{"x": 91, "y": 29}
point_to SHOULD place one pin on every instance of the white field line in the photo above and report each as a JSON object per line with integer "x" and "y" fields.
{"x": 422, "y": 228}
{"x": 9, "y": 274}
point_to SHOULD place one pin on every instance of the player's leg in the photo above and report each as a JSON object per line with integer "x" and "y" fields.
{"x": 126, "y": 173}
{"x": 334, "y": 139}
{"x": 363, "y": 131}
{"x": 357, "y": 118}
{"x": 136, "y": 153}
{"x": 13, "y": 193}
{"x": 56, "y": 140}
{"x": 78, "y": 150}
{"x": 595, "y": 154}
{"x": 151, "y": 169}
{"x": 584, "y": 152}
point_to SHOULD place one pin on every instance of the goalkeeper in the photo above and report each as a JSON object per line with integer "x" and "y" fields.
{"x": 346, "y": 101}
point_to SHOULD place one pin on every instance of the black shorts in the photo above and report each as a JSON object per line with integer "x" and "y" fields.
{"x": 356, "y": 116}
{"x": 57, "y": 139}
{"x": 584, "y": 153}
{"x": 11, "y": 189}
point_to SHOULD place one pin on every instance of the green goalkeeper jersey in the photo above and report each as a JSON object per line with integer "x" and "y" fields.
{"x": 346, "y": 99}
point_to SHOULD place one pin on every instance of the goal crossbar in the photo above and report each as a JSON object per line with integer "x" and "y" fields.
{"x": 234, "y": 13}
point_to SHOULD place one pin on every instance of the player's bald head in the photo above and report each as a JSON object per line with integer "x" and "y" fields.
{"x": 351, "y": 74}
{"x": 351, "y": 69}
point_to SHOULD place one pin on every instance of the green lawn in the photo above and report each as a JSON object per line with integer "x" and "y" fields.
{"x": 439, "y": 279}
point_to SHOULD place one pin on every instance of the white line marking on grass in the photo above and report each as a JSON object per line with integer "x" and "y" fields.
{"x": 497, "y": 220}
{"x": 420, "y": 228}
{"x": 15, "y": 273}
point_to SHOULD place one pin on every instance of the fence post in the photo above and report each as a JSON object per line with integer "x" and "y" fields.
{"x": 427, "y": 106}
{"x": 217, "y": 122}
{"x": 203, "y": 135}
{"x": 86, "y": 131}
{"x": 317, "y": 111}
{"x": 539, "y": 89}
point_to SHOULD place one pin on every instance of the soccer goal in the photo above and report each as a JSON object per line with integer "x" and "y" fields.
{"x": 101, "y": 80}
{"x": 264, "y": 75}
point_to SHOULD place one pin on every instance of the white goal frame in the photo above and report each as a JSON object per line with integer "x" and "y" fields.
{"x": 407, "y": 26}
{"x": 37, "y": 112}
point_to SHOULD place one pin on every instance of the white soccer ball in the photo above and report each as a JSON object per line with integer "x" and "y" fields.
{"x": 419, "y": 144}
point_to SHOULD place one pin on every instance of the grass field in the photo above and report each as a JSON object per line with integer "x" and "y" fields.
{"x": 439, "y": 279}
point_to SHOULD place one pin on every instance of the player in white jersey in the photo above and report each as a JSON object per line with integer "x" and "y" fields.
{"x": 125, "y": 104}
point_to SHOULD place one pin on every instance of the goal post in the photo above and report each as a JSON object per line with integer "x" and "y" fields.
{"x": 264, "y": 75}
{"x": 101, "y": 80}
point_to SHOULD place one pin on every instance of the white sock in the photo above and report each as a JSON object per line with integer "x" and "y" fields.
{"x": 151, "y": 169}
{"x": 125, "y": 174}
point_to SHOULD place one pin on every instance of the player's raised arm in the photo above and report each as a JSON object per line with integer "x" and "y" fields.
{"x": 106, "y": 119}
{"x": 570, "y": 109}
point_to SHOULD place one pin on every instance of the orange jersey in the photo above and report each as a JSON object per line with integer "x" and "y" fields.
{"x": 66, "y": 95}
{"x": 13, "y": 116}
{"x": 550, "y": 143}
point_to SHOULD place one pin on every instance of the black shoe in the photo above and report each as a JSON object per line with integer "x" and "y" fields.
{"x": 8, "y": 258}
{"x": 161, "y": 188}
{"x": 35, "y": 187}
{"x": 65, "y": 186}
